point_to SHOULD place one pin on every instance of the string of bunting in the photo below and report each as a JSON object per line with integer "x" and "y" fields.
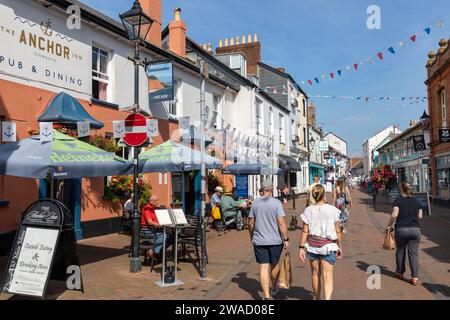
{"x": 379, "y": 56}
{"x": 371, "y": 98}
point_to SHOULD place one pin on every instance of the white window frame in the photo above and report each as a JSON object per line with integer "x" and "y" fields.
{"x": 443, "y": 107}
{"x": 282, "y": 129}
{"x": 216, "y": 107}
{"x": 176, "y": 102}
{"x": 100, "y": 76}
{"x": 259, "y": 116}
{"x": 271, "y": 122}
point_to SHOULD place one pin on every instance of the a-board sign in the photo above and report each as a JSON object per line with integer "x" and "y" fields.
{"x": 393, "y": 194}
{"x": 42, "y": 249}
{"x": 424, "y": 200}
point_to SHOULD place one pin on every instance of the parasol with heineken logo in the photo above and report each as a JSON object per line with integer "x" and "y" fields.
{"x": 64, "y": 158}
{"x": 173, "y": 157}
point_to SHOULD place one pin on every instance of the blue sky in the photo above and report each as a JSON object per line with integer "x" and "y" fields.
{"x": 314, "y": 37}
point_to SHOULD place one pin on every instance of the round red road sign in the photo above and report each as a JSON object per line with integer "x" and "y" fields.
{"x": 135, "y": 130}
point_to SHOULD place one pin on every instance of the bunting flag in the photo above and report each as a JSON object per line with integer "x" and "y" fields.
{"x": 118, "y": 129}
{"x": 380, "y": 55}
{"x": 152, "y": 127}
{"x": 9, "y": 133}
{"x": 83, "y": 129}
{"x": 184, "y": 123}
{"x": 46, "y": 131}
{"x": 370, "y": 97}
{"x": 367, "y": 99}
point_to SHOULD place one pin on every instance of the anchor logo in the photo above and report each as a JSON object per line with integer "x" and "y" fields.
{"x": 83, "y": 131}
{"x": 119, "y": 131}
{"x": 45, "y": 27}
{"x": 46, "y": 132}
{"x": 9, "y": 132}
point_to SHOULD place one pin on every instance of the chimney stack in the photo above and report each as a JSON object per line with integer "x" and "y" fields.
{"x": 153, "y": 8}
{"x": 177, "y": 34}
{"x": 281, "y": 69}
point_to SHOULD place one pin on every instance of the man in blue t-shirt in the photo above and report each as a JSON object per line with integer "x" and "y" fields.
{"x": 268, "y": 233}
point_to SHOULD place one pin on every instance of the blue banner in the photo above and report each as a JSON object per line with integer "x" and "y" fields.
{"x": 241, "y": 186}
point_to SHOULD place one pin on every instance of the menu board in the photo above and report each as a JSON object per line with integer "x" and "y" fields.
{"x": 241, "y": 186}
{"x": 31, "y": 261}
{"x": 179, "y": 216}
{"x": 393, "y": 194}
{"x": 169, "y": 217}
{"x": 424, "y": 200}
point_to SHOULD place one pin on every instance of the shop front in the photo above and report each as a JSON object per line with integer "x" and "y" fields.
{"x": 443, "y": 180}
{"x": 316, "y": 170}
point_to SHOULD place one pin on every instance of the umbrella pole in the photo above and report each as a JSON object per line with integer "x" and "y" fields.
{"x": 51, "y": 188}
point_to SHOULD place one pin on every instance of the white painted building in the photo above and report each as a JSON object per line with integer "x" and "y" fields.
{"x": 372, "y": 143}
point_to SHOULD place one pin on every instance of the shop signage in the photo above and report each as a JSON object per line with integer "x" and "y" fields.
{"x": 326, "y": 156}
{"x": 444, "y": 135}
{"x": 393, "y": 194}
{"x": 419, "y": 143}
{"x": 32, "y": 47}
{"x": 443, "y": 162}
{"x": 323, "y": 146}
{"x": 241, "y": 186}
{"x": 44, "y": 248}
{"x": 160, "y": 78}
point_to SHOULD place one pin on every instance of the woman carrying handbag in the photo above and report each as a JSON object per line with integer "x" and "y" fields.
{"x": 406, "y": 213}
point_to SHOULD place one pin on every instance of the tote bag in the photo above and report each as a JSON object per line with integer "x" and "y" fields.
{"x": 215, "y": 213}
{"x": 286, "y": 271}
{"x": 389, "y": 240}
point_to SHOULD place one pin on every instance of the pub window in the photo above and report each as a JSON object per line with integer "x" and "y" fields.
{"x": 443, "y": 106}
{"x": 282, "y": 132}
{"x": 101, "y": 82}
{"x": 216, "y": 107}
{"x": 175, "y": 104}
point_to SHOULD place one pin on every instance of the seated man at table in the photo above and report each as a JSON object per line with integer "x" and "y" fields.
{"x": 149, "y": 219}
{"x": 229, "y": 208}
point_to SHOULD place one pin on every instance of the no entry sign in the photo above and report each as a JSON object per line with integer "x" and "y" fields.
{"x": 135, "y": 130}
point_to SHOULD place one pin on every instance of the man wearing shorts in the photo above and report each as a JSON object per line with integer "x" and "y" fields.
{"x": 268, "y": 233}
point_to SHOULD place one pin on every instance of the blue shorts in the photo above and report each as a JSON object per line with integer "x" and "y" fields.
{"x": 268, "y": 254}
{"x": 330, "y": 258}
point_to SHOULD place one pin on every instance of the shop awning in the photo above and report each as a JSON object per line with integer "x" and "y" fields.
{"x": 63, "y": 108}
{"x": 251, "y": 169}
{"x": 289, "y": 164}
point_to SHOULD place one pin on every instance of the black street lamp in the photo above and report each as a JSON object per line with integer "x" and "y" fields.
{"x": 137, "y": 25}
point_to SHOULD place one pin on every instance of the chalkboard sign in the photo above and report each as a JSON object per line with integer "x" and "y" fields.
{"x": 393, "y": 194}
{"x": 43, "y": 248}
{"x": 424, "y": 200}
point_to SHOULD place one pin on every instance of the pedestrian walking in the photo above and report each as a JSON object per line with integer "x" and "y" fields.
{"x": 268, "y": 233}
{"x": 406, "y": 213}
{"x": 321, "y": 242}
{"x": 342, "y": 199}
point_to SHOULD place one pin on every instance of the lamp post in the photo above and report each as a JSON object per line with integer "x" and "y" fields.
{"x": 137, "y": 25}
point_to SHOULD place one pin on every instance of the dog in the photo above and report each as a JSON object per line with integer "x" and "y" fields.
{"x": 293, "y": 224}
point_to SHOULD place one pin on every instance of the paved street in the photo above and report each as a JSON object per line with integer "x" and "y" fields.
{"x": 233, "y": 273}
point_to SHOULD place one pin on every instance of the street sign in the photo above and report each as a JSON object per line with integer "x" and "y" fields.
{"x": 323, "y": 146}
{"x": 135, "y": 130}
{"x": 444, "y": 135}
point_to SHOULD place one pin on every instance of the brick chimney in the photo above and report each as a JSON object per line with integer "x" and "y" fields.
{"x": 153, "y": 8}
{"x": 177, "y": 34}
{"x": 250, "y": 49}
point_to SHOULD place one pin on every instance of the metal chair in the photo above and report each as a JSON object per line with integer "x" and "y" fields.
{"x": 191, "y": 236}
{"x": 147, "y": 244}
{"x": 124, "y": 220}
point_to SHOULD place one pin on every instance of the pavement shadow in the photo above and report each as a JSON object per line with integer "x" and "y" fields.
{"x": 91, "y": 254}
{"x": 363, "y": 266}
{"x": 437, "y": 289}
{"x": 252, "y": 286}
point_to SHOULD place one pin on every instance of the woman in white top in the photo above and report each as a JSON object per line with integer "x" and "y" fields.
{"x": 321, "y": 238}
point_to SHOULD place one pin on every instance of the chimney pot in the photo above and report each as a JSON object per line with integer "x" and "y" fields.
{"x": 231, "y": 41}
{"x": 177, "y": 14}
{"x": 220, "y": 43}
{"x": 237, "y": 40}
{"x": 255, "y": 38}
{"x": 209, "y": 47}
{"x": 226, "y": 42}
{"x": 249, "y": 39}
{"x": 243, "y": 39}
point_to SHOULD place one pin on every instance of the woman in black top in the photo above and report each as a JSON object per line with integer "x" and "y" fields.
{"x": 406, "y": 214}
